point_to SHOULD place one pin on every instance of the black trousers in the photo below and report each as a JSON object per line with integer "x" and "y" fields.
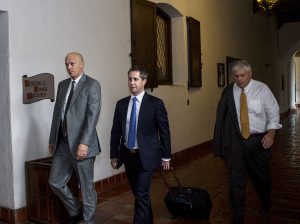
{"x": 248, "y": 157}
{"x": 140, "y": 183}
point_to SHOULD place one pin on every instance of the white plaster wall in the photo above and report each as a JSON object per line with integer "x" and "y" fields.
{"x": 297, "y": 78}
{"x": 42, "y": 32}
{"x": 289, "y": 34}
{"x": 291, "y": 71}
{"x": 6, "y": 180}
{"x": 283, "y": 95}
{"x": 4, "y": 5}
{"x": 179, "y": 49}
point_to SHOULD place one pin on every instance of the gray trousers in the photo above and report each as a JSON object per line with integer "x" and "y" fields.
{"x": 63, "y": 165}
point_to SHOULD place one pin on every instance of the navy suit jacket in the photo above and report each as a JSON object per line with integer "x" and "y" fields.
{"x": 153, "y": 134}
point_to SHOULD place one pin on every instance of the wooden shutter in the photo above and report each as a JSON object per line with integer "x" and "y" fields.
{"x": 194, "y": 48}
{"x": 143, "y": 38}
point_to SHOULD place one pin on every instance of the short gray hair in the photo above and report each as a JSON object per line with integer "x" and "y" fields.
{"x": 241, "y": 64}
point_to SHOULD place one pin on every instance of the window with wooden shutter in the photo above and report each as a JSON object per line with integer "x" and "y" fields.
{"x": 194, "y": 52}
{"x": 143, "y": 38}
{"x": 164, "y": 48}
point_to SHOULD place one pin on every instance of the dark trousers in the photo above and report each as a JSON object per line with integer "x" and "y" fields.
{"x": 248, "y": 157}
{"x": 140, "y": 183}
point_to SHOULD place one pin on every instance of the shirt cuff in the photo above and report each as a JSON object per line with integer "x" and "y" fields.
{"x": 166, "y": 160}
{"x": 273, "y": 126}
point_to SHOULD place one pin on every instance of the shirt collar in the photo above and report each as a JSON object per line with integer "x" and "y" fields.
{"x": 248, "y": 86}
{"x": 246, "y": 89}
{"x": 77, "y": 80}
{"x": 139, "y": 97}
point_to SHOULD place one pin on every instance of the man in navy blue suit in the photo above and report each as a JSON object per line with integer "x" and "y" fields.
{"x": 143, "y": 148}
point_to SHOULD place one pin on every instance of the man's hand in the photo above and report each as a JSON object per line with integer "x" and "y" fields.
{"x": 268, "y": 139}
{"x": 51, "y": 149}
{"x": 113, "y": 163}
{"x": 82, "y": 151}
{"x": 165, "y": 165}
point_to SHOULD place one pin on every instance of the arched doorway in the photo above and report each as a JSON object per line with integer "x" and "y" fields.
{"x": 290, "y": 62}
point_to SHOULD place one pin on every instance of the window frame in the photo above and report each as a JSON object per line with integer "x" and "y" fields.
{"x": 168, "y": 43}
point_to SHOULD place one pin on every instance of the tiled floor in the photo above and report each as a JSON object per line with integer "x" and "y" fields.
{"x": 208, "y": 172}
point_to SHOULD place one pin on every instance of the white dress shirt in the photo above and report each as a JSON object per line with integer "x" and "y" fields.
{"x": 263, "y": 109}
{"x": 138, "y": 106}
{"x": 68, "y": 93}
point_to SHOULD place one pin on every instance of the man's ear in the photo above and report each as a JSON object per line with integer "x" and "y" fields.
{"x": 144, "y": 81}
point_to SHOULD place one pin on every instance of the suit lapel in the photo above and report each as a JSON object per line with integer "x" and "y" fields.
{"x": 232, "y": 108}
{"x": 142, "y": 113}
{"x": 143, "y": 108}
{"x": 124, "y": 110}
{"x": 64, "y": 90}
{"x": 78, "y": 88}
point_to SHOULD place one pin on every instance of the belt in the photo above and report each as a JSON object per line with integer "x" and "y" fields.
{"x": 257, "y": 134}
{"x": 133, "y": 151}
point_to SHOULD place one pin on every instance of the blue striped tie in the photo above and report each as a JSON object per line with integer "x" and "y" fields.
{"x": 132, "y": 125}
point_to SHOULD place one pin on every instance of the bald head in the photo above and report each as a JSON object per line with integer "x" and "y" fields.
{"x": 74, "y": 64}
{"x": 76, "y": 54}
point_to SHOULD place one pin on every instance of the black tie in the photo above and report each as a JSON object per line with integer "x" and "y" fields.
{"x": 64, "y": 128}
{"x": 69, "y": 98}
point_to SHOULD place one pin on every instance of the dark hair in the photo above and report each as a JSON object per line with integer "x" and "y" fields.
{"x": 140, "y": 69}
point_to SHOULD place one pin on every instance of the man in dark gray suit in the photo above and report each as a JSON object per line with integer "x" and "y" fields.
{"x": 73, "y": 139}
{"x": 247, "y": 120}
{"x": 144, "y": 145}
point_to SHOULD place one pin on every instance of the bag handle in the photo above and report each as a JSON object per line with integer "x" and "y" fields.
{"x": 178, "y": 184}
{"x": 174, "y": 175}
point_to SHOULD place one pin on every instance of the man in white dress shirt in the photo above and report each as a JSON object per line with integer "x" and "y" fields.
{"x": 246, "y": 146}
{"x": 73, "y": 140}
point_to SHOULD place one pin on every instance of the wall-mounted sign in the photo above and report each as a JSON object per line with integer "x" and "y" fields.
{"x": 38, "y": 87}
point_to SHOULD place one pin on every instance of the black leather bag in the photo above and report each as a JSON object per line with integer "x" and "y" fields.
{"x": 187, "y": 202}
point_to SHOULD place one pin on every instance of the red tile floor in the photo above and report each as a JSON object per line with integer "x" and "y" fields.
{"x": 208, "y": 172}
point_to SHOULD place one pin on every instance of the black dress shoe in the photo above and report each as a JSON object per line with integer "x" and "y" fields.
{"x": 238, "y": 220}
{"x": 75, "y": 219}
{"x": 264, "y": 209}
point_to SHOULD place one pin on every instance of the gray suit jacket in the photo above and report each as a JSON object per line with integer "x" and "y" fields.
{"x": 82, "y": 116}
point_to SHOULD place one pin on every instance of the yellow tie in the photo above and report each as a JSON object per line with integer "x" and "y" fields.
{"x": 244, "y": 119}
